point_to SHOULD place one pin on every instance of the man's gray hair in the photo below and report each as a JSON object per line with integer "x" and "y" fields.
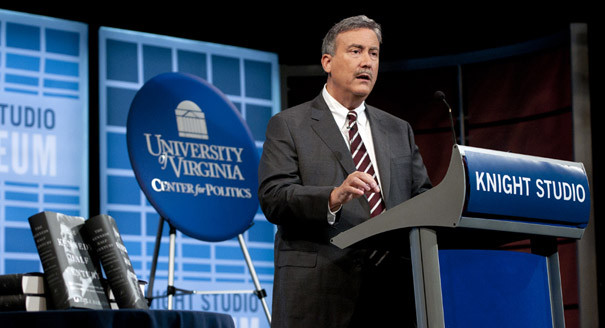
{"x": 352, "y": 23}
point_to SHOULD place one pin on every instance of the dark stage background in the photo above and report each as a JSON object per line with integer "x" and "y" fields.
{"x": 520, "y": 103}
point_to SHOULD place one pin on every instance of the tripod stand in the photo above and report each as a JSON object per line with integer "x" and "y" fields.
{"x": 172, "y": 290}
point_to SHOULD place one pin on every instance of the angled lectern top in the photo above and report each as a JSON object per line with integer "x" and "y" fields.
{"x": 487, "y": 198}
{"x": 493, "y": 190}
{"x": 496, "y": 197}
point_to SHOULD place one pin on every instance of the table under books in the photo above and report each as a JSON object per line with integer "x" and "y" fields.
{"x": 128, "y": 318}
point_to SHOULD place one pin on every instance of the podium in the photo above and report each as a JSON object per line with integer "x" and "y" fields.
{"x": 487, "y": 199}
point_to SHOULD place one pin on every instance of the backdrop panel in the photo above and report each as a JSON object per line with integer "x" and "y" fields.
{"x": 43, "y": 128}
{"x": 250, "y": 80}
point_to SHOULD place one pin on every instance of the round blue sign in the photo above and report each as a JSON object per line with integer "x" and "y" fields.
{"x": 193, "y": 156}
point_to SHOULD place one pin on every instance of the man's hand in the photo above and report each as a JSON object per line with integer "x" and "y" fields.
{"x": 355, "y": 185}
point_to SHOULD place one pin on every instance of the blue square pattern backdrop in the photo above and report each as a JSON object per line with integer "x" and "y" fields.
{"x": 43, "y": 128}
{"x": 249, "y": 79}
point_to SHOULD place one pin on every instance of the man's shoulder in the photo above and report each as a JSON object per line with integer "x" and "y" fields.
{"x": 384, "y": 115}
{"x": 302, "y": 109}
{"x": 305, "y": 106}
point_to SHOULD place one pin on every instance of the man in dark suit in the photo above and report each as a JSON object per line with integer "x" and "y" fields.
{"x": 312, "y": 189}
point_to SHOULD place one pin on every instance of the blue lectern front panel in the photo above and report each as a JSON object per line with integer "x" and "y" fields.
{"x": 494, "y": 288}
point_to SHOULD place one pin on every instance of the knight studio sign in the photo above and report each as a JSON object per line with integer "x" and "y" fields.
{"x": 513, "y": 185}
{"x": 193, "y": 156}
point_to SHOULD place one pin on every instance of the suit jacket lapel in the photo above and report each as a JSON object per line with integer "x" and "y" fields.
{"x": 381, "y": 150}
{"x": 324, "y": 125}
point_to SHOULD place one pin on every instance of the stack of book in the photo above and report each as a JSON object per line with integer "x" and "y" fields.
{"x": 22, "y": 292}
{"x": 73, "y": 251}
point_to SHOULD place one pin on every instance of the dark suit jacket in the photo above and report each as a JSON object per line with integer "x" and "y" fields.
{"x": 316, "y": 284}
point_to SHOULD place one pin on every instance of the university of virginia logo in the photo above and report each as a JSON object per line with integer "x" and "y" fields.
{"x": 193, "y": 156}
{"x": 190, "y": 120}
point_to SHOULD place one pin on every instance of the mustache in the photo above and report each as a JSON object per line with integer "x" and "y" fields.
{"x": 365, "y": 72}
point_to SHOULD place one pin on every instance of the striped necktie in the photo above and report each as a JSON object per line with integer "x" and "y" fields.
{"x": 363, "y": 163}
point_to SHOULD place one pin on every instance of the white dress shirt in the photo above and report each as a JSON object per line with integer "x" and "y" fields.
{"x": 340, "y": 116}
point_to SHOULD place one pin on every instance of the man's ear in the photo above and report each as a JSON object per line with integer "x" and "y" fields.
{"x": 326, "y": 63}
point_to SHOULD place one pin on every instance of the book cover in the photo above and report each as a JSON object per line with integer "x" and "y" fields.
{"x": 22, "y": 302}
{"x": 107, "y": 242}
{"x": 22, "y": 283}
{"x": 72, "y": 271}
{"x": 112, "y": 298}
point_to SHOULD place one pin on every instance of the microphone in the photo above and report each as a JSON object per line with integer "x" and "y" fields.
{"x": 439, "y": 95}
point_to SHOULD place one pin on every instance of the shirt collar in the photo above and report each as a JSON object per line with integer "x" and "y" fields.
{"x": 340, "y": 112}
